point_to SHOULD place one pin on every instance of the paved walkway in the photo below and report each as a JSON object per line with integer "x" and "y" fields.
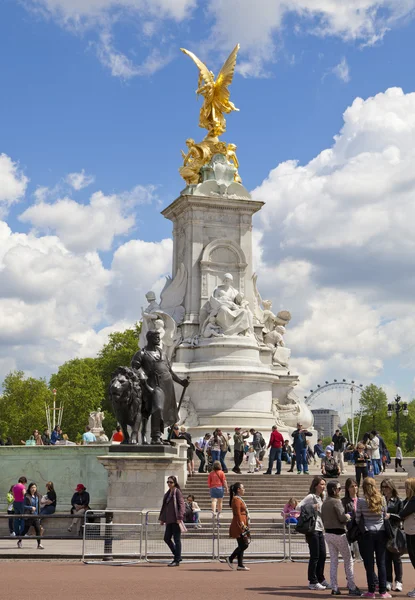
{"x": 66, "y": 581}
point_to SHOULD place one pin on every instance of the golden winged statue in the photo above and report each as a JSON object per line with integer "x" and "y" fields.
{"x": 216, "y": 93}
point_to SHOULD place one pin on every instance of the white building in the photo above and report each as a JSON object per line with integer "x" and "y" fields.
{"x": 326, "y": 421}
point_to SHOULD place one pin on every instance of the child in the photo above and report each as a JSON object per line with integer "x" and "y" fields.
{"x": 252, "y": 461}
{"x": 290, "y": 513}
{"x": 10, "y": 509}
{"x": 195, "y": 508}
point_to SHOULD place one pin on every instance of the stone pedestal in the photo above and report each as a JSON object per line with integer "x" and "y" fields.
{"x": 137, "y": 476}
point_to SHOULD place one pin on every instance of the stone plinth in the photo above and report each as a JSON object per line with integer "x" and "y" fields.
{"x": 137, "y": 479}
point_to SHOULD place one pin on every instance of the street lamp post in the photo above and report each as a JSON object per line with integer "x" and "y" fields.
{"x": 397, "y": 407}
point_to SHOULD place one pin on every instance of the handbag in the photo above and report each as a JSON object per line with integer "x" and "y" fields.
{"x": 31, "y": 441}
{"x": 353, "y": 531}
{"x": 397, "y": 543}
{"x": 182, "y": 526}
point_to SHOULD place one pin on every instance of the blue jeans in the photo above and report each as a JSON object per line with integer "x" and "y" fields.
{"x": 215, "y": 455}
{"x": 222, "y": 460}
{"x": 18, "y": 508}
{"x": 274, "y": 455}
{"x": 301, "y": 456}
{"x": 48, "y": 510}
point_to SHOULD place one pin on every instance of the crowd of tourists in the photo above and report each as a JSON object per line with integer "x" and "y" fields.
{"x": 26, "y": 499}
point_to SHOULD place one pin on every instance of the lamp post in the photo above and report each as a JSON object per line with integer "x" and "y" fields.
{"x": 397, "y": 407}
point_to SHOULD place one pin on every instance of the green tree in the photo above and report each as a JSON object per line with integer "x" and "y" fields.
{"x": 117, "y": 352}
{"x": 22, "y": 406}
{"x": 80, "y": 390}
{"x": 407, "y": 427}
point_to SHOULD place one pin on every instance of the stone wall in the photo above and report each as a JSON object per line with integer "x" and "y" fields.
{"x": 65, "y": 466}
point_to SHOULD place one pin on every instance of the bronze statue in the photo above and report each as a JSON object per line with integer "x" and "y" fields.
{"x": 156, "y": 377}
{"x": 126, "y": 398}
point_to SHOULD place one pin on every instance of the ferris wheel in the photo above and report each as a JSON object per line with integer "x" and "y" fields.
{"x": 340, "y": 393}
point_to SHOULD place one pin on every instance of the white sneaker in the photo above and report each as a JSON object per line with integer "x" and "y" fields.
{"x": 398, "y": 586}
{"x": 326, "y": 585}
{"x": 13, "y": 534}
{"x": 40, "y": 547}
{"x": 411, "y": 594}
{"x": 316, "y": 586}
{"x": 388, "y": 586}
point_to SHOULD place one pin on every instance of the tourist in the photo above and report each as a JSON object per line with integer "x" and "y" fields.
{"x": 299, "y": 442}
{"x": 252, "y": 460}
{"x": 46, "y": 437}
{"x": 10, "y": 510}
{"x": 195, "y": 509}
{"x": 407, "y": 514}
{"x": 372, "y": 507}
{"x": 48, "y": 501}
{"x": 286, "y": 452}
{"x": 275, "y": 444}
{"x": 19, "y": 492}
{"x": 102, "y": 438}
{"x": 172, "y": 515}
{"x": 217, "y": 485}
{"x": 55, "y": 437}
{"x": 80, "y": 504}
{"x": 361, "y": 459}
{"x": 318, "y": 448}
{"x": 398, "y": 458}
{"x": 214, "y": 445}
{"x": 239, "y": 438}
{"x": 88, "y": 437}
{"x": 339, "y": 442}
{"x": 290, "y": 512}
{"x": 349, "y": 502}
{"x": 239, "y": 527}
{"x": 394, "y": 507}
{"x": 334, "y": 521}
{"x": 315, "y": 539}
{"x": 32, "y": 507}
{"x": 329, "y": 466}
{"x": 37, "y": 438}
{"x": 190, "y": 450}
{"x": 224, "y": 447}
{"x": 330, "y": 447}
{"x": 201, "y": 448}
{"x": 258, "y": 444}
{"x": 118, "y": 435}
{"x": 374, "y": 445}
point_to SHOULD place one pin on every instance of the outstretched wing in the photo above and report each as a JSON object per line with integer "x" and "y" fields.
{"x": 224, "y": 79}
{"x": 204, "y": 72}
{"x": 173, "y": 292}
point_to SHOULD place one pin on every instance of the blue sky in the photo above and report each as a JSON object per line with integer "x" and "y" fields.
{"x": 101, "y": 88}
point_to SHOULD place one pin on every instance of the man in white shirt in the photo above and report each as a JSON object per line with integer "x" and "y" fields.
{"x": 200, "y": 446}
{"x": 398, "y": 458}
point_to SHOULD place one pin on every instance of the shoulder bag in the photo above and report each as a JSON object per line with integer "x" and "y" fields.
{"x": 182, "y": 526}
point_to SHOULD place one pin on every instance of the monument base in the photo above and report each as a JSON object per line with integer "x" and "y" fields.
{"x": 137, "y": 475}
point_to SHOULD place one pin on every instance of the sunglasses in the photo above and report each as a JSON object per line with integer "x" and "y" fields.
{"x": 170, "y": 481}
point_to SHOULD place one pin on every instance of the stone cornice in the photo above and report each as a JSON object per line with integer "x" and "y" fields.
{"x": 220, "y": 203}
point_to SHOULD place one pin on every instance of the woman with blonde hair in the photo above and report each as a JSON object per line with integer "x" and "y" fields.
{"x": 407, "y": 514}
{"x": 371, "y": 513}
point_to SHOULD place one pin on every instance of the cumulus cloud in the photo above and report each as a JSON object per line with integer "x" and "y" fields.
{"x": 13, "y": 183}
{"x": 260, "y": 31}
{"x": 92, "y": 226}
{"x": 341, "y": 229}
{"x": 78, "y": 180}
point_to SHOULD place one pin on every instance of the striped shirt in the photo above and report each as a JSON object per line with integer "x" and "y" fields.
{"x": 373, "y": 521}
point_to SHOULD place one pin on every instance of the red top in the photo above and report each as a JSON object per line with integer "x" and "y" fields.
{"x": 216, "y": 479}
{"x": 118, "y": 436}
{"x": 276, "y": 440}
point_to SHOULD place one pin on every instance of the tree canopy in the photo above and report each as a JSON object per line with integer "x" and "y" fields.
{"x": 81, "y": 387}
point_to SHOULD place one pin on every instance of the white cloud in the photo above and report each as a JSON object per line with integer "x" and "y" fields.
{"x": 342, "y": 70}
{"x": 341, "y": 229}
{"x": 13, "y": 183}
{"x": 260, "y": 31}
{"x": 78, "y": 180}
{"x": 89, "y": 227}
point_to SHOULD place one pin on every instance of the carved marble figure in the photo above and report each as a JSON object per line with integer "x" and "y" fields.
{"x": 95, "y": 419}
{"x": 231, "y": 311}
{"x": 156, "y": 377}
{"x": 212, "y": 329}
{"x": 166, "y": 316}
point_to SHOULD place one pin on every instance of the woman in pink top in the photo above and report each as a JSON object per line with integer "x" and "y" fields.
{"x": 19, "y": 491}
{"x": 217, "y": 482}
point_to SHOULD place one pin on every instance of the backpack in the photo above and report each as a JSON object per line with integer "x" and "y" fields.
{"x": 307, "y": 520}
